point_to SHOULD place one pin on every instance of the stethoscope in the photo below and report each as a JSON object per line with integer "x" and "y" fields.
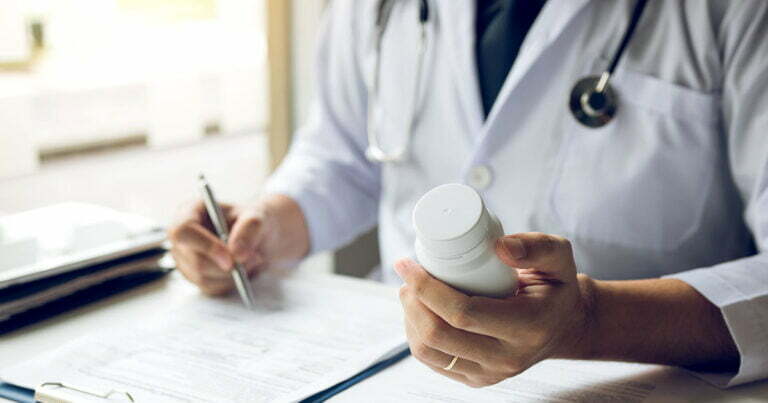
{"x": 592, "y": 102}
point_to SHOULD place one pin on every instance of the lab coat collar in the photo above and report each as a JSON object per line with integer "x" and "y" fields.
{"x": 460, "y": 15}
{"x": 552, "y": 20}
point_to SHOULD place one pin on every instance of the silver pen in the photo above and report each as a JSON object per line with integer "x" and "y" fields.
{"x": 220, "y": 225}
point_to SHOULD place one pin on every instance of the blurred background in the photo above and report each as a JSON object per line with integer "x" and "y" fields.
{"x": 122, "y": 102}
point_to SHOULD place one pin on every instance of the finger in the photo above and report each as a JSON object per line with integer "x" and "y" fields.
{"x": 254, "y": 266}
{"x": 435, "y": 360}
{"x": 453, "y": 375}
{"x": 462, "y": 370}
{"x": 245, "y": 237}
{"x": 218, "y": 287}
{"x": 193, "y": 235}
{"x": 196, "y": 267}
{"x": 530, "y": 277}
{"x": 214, "y": 282}
{"x": 438, "y": 334}
{"x": 486, "y": 316}
{"x": 212, "y": 286}
{"x": 469, "y": 381}
{"x": 208, "y": 269}
{"x": 183, "y": 266}
{"x": 196, "y": 211}
{"x": 550, "y": 254}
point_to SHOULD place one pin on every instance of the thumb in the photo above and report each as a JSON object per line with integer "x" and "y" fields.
{"x": 546, "y": 253}
{"x": 245, "y": 237}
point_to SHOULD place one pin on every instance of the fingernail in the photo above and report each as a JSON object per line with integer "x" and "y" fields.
{"x": 514, "y": 247}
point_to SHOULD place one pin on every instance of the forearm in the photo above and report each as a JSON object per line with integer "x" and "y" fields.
{"x": 662, "y": 321}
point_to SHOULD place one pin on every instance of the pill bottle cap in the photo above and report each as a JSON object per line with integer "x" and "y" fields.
{"x": 450, "y": 220}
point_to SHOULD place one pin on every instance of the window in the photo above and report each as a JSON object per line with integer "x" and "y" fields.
{"x": 83, "y": 75}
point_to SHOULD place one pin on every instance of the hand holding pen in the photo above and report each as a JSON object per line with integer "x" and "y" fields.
{"x": 261, "y": 235}
{"x": 219, "y": 222}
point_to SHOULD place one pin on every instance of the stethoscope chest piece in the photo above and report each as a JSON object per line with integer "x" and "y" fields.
{"x": 591, "y": 106}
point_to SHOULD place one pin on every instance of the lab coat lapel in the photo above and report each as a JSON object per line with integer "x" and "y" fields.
{"x": 459, "y": 26}
{"x": 554, "y": 17}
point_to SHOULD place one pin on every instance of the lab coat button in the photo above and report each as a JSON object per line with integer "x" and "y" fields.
{"x": 480, "y": 177}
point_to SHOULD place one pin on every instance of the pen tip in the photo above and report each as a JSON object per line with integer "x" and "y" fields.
{"x": 200, "y": 176}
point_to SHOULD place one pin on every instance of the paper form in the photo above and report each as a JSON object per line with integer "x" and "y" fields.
{"x": 549, "y": 381}
{"x": 304, "y": 337}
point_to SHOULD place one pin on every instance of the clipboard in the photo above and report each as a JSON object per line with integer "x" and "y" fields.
{"x": 65, "y": 237}
{"x": 80, "y": 298}
{"x": 57, "y": 392}
{"x": 374, "y": 369}
{"x": 373, "y": 304}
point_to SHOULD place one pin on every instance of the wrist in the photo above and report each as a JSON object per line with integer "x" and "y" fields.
{"x": 589, "y": 295}
{"x": 582, "y": 337}
{"x": 284, "y": 217}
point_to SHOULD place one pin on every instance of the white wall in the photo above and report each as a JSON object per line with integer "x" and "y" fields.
{"x": 113, "y": 73}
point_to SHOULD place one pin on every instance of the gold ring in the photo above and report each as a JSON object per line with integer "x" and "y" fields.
{"x": 453, "y": 362}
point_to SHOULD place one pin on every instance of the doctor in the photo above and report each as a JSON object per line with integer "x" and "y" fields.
{"x": 653, "y": 186}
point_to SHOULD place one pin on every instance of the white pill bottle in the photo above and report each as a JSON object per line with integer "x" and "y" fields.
{"x": 456, "y": 239}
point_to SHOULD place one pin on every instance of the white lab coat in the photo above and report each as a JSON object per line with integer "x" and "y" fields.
{"x": 675, "y": 186}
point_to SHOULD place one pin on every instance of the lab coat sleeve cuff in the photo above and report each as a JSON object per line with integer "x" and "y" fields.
{"x": 744, "y": 311}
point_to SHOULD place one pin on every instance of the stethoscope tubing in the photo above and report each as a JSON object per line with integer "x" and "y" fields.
{"x": 580, "y": 100}
{"x": 375, "y": 152}
{"x": 637, "y": 13}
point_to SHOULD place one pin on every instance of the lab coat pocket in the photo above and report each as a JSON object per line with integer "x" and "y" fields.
{"x": 642, "y": 180}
